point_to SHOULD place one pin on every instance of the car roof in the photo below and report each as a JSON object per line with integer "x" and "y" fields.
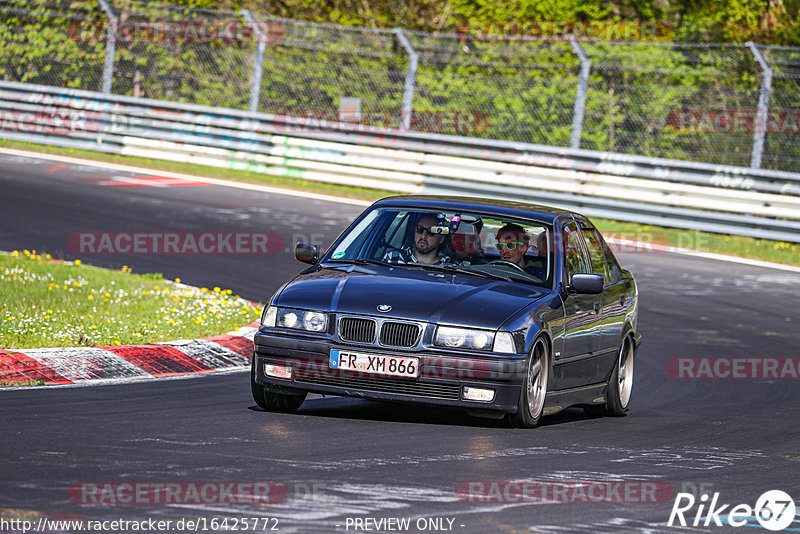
{"x": 508, "y": 208}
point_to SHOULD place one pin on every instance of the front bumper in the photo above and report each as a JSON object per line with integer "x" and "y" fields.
{"x": 443, "y": 374}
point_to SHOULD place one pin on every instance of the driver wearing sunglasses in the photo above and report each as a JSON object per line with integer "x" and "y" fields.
{"x": 426, "y": 248}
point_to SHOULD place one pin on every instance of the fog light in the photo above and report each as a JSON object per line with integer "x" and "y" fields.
{"x": 478, "y": 394}
{"x": 278, "y": 371}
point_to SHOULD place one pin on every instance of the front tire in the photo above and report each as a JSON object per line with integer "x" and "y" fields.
{"x": 271, "y": 401}
{"x": 620, "y": 386}
{"x": 534, "y": 388}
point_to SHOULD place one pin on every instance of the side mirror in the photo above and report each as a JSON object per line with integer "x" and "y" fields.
{"x": 306, "y": 253}
{"x": 590, "y": 284}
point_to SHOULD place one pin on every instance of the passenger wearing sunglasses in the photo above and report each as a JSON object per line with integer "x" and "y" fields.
{"x": 512, "y": 244}
{"x": 426, "y": 248}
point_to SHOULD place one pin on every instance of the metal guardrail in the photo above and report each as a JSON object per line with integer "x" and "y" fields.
{"x": 715, "y": 198}
{"x": 621, "y": 87}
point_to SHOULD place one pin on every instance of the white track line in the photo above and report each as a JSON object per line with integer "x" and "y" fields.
{"x": 210, "y": 181}
{"x": 354, "y": 202}
{"x": 652, "y": 247}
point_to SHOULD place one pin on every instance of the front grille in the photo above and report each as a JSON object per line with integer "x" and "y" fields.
{"x": 357, "y": 330}
{"x": 399, "y": 334}
{"x": 388, "y": 385}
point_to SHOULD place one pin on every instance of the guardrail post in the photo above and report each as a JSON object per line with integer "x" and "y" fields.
{"x": 111, "y": 46}
{"x": 410, "y": 81}
{"x": 760, "y": 129}
{"x": 580, "y": 97}
{"x": 258, "y": 60}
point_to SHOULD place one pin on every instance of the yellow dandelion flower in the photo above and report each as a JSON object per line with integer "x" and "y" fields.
{"x": 77, "y": 262}
{"x": 177, "y": 280}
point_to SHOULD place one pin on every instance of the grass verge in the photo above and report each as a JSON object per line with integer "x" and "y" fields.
{"x": 47, "y": 304}
{"x": 746, "y": 247}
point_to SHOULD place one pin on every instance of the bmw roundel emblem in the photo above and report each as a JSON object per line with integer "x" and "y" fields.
{"x": 384, "y": 308}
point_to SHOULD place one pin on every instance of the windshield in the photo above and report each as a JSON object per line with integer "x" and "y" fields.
{"x": 484, "y": 245}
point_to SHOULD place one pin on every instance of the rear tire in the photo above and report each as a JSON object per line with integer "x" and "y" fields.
{"x": 534, "y": 388}
{"x": 618, "y": 397}
{"x": 271, "y": 401}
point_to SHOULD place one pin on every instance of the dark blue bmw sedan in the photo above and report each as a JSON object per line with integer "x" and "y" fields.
{"x": 503, "y": 308}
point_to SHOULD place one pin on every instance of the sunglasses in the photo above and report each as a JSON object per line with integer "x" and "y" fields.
{"x": 422, "y": 230}
{"x": 511, "y": 245}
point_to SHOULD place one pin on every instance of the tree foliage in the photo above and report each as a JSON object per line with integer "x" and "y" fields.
{"x": 470, "y": 80}
{"x": 735, "y": 21}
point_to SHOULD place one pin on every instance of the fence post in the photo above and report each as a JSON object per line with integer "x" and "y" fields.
{"x": 111, "y": 45}
{"x": 580, "y": 97}
{"x": 760, "y": 127}
{"x": 410, "y": 81}
{"x": 258, "y": 60}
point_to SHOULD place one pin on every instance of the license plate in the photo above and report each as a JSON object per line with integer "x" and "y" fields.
{"x": 374, "y": 363}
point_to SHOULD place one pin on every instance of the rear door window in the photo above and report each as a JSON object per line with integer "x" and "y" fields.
{"x": 574, "y": 257}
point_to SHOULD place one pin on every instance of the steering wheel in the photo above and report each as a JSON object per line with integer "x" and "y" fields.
{"x": 507, "y": 263}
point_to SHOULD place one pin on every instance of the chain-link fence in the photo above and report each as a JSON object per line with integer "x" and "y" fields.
{"x": 310, "y": 68}
{"x": 180, "y": 54}
{"x": 38, "y": 44}
{"x": 782, "y": 146}
{"x": 687, "y": 101}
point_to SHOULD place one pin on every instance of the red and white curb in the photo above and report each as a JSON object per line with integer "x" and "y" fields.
{"x": 82, "y": 365}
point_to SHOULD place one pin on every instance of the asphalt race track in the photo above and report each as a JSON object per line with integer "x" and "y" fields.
{"x": 339, "y": 459}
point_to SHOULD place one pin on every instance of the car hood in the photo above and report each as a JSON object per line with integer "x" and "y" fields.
{"x": 412, "y": 293}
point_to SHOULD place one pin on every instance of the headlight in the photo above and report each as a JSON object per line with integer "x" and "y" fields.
{"x": 463, "y": 338}
{"x": 269, "y": 316}
{"x": 504, "y": 342}
{"x": 315, "y": 321}
{"x": 301, "y": 319}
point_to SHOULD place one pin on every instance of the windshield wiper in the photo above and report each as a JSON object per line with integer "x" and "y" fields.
{"x": 363, "y": 261}
{"x": 454, "y": 269}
